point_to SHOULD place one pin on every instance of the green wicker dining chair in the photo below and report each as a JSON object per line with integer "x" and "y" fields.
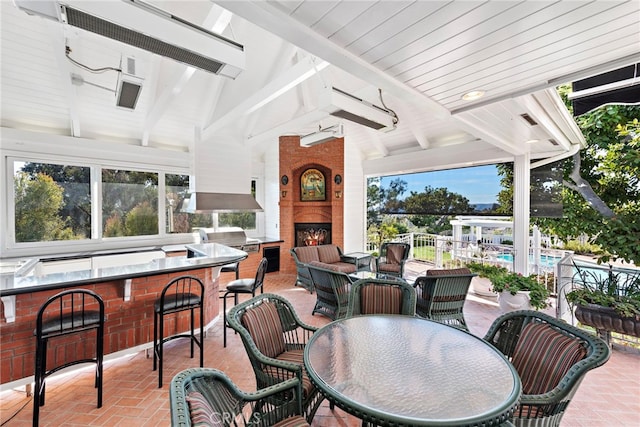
{"x": 393, "y": 256}
{"x": 441, "y": 295}
{"x": 332, "y": 292}
{"x": 274, "y": 338}
{"x": 381, "y": 296}
{"x": 551, "y": 357}
{"x": 202, "y": 396}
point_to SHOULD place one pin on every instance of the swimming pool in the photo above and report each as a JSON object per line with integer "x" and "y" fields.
{"x": 545, "y": 260}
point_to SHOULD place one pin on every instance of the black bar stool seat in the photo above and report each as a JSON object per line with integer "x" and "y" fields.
{"x": 69, "y": 324}
{"x": 242, "y": 286}
{"x": 64, "y": 314}
{"x": 180, "y": 294}
{"x": 231, "y": 268}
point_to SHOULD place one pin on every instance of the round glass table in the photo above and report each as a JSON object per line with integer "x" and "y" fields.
{"x": 394, "y": 370}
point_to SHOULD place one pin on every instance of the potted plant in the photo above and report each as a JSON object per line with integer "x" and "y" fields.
{"x": 519, "y": 292}
{"x": 481, "y": 284}
{"x": 608, "y": 301}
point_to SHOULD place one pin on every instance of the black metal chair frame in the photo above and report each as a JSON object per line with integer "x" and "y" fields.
{"x": 242, "y": 286}
{"x": 231, "y": 268}
{"x": 74, "y": 319}
{"x": 180, "y": 294}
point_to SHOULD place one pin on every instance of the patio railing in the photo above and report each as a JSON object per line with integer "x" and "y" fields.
{"x": 444, "y": 252}
{"x": 572, "y": 273}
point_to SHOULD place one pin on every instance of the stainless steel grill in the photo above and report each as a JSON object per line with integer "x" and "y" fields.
{"x": 234, "y": 238}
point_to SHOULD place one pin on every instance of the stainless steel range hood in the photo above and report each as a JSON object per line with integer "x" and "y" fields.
{"x": 202, "y": 202}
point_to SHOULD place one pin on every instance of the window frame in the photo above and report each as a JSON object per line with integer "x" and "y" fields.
{"x": 96, "y": 241}
{"x": 25, "y": 146}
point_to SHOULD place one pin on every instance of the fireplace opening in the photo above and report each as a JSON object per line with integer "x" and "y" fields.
{"x": 313, "y": 234}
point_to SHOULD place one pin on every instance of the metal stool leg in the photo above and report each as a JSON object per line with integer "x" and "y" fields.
{"x": 160, "y": 346}
{"x": 38, "y": 381}
{"x": 224, "y": 319}
{"x": 155, "y": 340}
{"x": 192, "y": 337}
{"x": 99, "y": 359}
{"x": 202, "y": 336}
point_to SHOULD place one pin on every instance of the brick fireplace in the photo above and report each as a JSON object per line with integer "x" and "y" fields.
{"x": 327, "y": 214}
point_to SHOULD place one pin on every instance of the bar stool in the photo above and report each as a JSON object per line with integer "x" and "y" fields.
{"x": 180, "y": 294}
{"x": 68, "y": 312}
{"x": 232, "y": 268}
{"x": 243, "y": 286}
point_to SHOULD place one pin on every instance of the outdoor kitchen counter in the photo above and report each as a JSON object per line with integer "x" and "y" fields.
{"x": 129, "y": 293}
{"x": 206, "y": 255}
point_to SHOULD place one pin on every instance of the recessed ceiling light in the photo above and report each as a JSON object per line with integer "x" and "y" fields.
{"x": 532, "y": 141}
{"x": 473, "y": 95}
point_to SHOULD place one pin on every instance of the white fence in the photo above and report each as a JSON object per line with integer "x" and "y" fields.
{"x": 443, "y": 251}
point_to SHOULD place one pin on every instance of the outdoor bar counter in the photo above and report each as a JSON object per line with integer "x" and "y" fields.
{"x": 128, "y": 290}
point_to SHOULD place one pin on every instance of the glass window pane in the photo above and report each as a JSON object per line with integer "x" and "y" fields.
{"x": 52, "y": 202}
{"x": 177, "y": 187}
{"x": 129, "y": 203}
{"x": 244, "y": 220}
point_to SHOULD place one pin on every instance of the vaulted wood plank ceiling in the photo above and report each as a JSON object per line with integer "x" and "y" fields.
{"x": 422, "y": 55}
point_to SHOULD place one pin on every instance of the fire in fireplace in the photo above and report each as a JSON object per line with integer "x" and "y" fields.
{"x": 313, "y": 234}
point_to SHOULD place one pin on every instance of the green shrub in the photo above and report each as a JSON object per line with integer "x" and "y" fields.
{"x": 582, "y": 248}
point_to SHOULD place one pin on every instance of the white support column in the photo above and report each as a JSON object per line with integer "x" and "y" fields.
{"x": 478, "y": 233}
{"x": 521, "y": 184}
{"x": 457, "y": 237}
{"x": 440, "y": 244}
{"x": 411, "y": 240}
{"x": 537, "y": 252}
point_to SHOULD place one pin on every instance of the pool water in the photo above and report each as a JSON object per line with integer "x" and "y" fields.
{"x": 545, "y": 260}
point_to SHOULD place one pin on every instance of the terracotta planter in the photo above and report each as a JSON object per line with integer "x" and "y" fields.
{"x": 519, "y": 301}
{"x": 605, "y": 318}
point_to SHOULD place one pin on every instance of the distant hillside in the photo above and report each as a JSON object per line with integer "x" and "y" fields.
{"x": 485, "y": 207}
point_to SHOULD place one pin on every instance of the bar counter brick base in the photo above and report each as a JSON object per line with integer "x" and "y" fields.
{"x": 129, "y": 323}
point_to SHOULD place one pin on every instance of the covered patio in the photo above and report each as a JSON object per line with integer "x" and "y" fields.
{"x": 607, "y": 396}
{"x": 457, "y": 84}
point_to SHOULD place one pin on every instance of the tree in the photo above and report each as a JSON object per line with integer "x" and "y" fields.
{"x": 38, "y": 203}
{"x": 75, "y": 181}
{"x": 141, "y": 220}
{"x": 438, "y": 204}
{"x": 391, "y": 196}
{"x": 113, "y": 226}
{"x": 244, "y": 220}
{"x": 375, "y": 200}
{"x": 381, "y": 201}
{"x": 123, "y": 191}
{"x": 601, "y": 184}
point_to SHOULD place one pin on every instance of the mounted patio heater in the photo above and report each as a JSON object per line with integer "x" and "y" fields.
{"x": 341, "y": 104}
{"x": 147, "y": 27}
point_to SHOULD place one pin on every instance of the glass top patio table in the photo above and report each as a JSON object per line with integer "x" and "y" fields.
{"x": 395, "y": 370}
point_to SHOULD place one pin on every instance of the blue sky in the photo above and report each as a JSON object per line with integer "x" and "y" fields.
{"x": 479, "y": 184}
